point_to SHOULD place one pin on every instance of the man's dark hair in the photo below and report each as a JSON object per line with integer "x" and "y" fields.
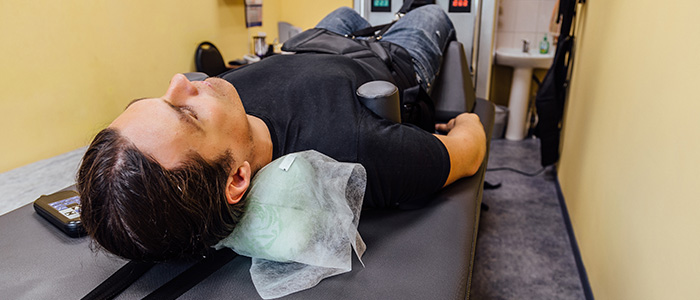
{"x": 135, "y": 208}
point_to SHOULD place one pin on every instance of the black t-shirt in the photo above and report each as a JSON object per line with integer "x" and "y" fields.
{"x": 308, "y": 101}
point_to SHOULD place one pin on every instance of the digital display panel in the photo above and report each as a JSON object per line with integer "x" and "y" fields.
{"x": 381, "y": 5}
{"x": 460, "y": 6}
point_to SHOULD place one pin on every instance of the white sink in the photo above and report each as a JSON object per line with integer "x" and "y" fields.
{"x": 522, "y": 63}
{"x": 516, "y": 58}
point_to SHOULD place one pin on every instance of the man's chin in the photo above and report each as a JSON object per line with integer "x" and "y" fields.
{"x": 221, "y": 86}
{"x": 218, "y": 82}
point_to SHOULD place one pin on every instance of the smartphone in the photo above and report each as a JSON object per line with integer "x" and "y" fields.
{"x": 62, "y": 209}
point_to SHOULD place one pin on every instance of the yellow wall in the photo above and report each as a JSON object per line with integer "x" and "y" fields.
{"x": 69, "y": 67}
{"x": 630, "y": 170}
{"x": 301, "y": 13}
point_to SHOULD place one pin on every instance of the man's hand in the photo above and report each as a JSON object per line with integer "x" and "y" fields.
{"x": 466, "y": 144}
{"x": 466, "y": 120}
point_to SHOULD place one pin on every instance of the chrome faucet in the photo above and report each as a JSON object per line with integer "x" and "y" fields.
{"x": 526, "y": 46}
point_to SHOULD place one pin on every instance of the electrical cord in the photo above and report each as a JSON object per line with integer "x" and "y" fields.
{"x": 538, "y": 172}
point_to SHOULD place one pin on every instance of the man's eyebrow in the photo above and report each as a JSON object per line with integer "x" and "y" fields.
{"x": 182, "y": 115}
{"x": 134, "y": 101}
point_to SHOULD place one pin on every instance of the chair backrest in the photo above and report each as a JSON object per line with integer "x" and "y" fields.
{"x": 208, "y": 59}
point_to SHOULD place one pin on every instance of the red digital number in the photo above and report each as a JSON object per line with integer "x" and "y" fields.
{"x": 460, "y": 3}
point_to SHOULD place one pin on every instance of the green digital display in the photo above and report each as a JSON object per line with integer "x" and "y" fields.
{"x": 381, "y": 5}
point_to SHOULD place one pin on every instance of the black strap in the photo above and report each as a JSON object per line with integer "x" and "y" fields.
{"x": 405, "y": 7}
{"x": 192, "y": 276}
{"x": 133, "y": 270}
{"x": 119, "y": 281}
{"x": 372, "y": 31}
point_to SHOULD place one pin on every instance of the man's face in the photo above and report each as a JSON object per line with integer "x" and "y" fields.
{"x": 206, "y": 117}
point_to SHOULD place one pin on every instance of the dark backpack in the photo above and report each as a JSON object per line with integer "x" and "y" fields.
{"x": 383, "y": 60}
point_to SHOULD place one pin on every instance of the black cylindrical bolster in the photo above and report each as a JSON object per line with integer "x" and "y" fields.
{"x": 382, "y": 98}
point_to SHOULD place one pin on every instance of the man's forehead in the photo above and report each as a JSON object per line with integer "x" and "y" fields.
{"x": 134, "y": 101}
{"x": 154, "y": 131}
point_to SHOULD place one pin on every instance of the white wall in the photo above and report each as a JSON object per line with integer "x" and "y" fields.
{"x": 523, "y": 19}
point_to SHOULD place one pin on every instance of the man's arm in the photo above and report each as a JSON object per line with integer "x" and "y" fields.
{"x": 466, "y": 144}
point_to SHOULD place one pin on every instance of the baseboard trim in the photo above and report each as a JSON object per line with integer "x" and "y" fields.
{"x": 588, "y": 292}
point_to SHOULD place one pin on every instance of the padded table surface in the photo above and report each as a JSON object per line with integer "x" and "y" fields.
{"x": 417, "y": 254}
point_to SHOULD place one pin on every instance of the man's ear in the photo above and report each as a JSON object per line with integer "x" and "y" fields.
{"x": 237, "y": 183}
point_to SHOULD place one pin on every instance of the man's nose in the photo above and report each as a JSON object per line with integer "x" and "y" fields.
{"x": 180, "y": 89}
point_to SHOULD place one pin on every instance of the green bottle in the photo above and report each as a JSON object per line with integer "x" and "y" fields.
{"x": 544, "y": 45}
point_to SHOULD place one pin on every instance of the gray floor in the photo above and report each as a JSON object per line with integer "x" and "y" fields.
{"x": 523, "y": 249}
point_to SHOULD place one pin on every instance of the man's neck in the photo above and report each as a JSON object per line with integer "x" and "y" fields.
{"x": 262, "y": 143}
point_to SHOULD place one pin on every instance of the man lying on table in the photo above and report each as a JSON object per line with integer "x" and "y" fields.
{"x": 167, "y": 179}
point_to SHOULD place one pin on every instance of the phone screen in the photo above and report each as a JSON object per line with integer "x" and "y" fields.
{"x": 62, "y": 209}
{"x": 70, "y": 208}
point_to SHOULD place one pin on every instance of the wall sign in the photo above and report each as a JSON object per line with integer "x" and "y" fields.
{"x": 253, "y": 13}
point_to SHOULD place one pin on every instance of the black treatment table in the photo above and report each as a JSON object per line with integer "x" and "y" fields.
{"x": 425, "y": 253}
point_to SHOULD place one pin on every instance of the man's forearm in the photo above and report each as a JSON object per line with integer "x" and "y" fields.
{"x": 466, "y": 144}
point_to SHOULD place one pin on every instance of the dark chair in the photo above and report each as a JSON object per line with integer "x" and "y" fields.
{"x": 208, "y": 59}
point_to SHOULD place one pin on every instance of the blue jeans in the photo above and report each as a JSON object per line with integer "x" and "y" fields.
{"x": 424, "y": 32}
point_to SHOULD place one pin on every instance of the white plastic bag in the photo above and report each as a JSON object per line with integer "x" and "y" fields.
{"x": 300, "y": 224}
